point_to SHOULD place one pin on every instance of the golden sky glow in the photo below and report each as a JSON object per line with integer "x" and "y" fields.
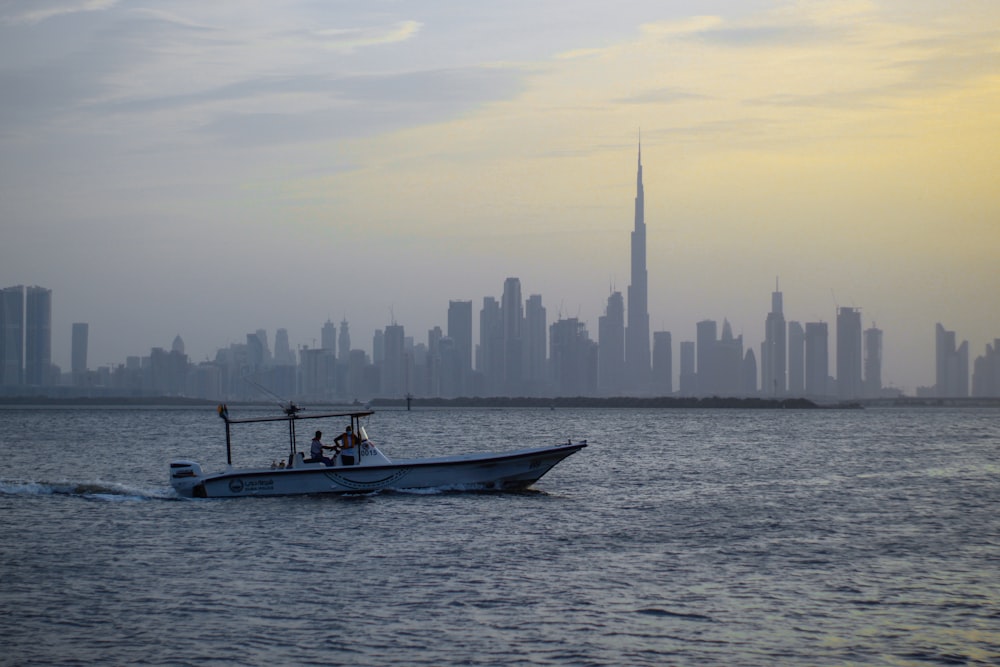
{"x": 850, "y": 149}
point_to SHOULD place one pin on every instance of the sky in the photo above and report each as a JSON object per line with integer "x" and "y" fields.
{"x": 210, "y": 169}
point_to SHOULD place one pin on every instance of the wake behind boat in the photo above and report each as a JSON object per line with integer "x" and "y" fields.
{"x": 366, "y": 471}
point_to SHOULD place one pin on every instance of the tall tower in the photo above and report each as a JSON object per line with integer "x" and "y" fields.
{"x": 37, "y": 335}
{"x": 12, "y": 336}
{"x": 460, "y": 332}
{"x": 663, "y": 365}
{"x": 512, "y": 321}
{"x": 773, "y": 360}
{"x": 873, "y": 362}
{"x": 952, "y": 365}
{"x": 849, "y": 352}
{"x": 796, "y": 358}
{"x": 344, "y": 342}
{"x": 817, "y": 351}
{"x": 637, "y": 357}
{"x": 611, "y": 346}
{"x": 535, "y": 338}
{"x": 328, "y": 337}
{"x": 79, "y": 350}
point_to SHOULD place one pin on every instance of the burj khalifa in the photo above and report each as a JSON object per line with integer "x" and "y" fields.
{"x": 637, "y": 357}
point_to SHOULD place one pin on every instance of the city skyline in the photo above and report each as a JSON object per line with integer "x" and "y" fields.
{"x": 208, "y": 171}
{"x": 518, "y": 352}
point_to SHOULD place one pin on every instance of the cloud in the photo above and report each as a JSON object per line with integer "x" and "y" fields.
{"x": 666, "y": 95}
{"x": 36, "y": 11}
{"x": 775, "y": 34}
{"x": 351, "y": 39}
{"x": 359, "y": 105}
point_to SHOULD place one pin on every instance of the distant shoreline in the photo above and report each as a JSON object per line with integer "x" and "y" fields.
{"x": 662, "y": 402}
{"x": 468, "y": 402}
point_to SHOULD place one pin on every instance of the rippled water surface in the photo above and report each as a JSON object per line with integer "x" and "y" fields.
{"x": 677, "y": 537}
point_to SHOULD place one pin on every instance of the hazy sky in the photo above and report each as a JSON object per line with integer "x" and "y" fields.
{"x": 211, "y": 168}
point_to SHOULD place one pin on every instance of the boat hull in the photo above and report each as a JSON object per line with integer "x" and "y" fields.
{"x": 495, "y": 472}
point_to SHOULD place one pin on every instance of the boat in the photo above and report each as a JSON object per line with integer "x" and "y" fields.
{"x": 371, "y": 471}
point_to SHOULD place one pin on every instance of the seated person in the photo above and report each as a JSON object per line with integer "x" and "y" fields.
{"x": 348, "y": 447}
{"x": 316, "y": 450}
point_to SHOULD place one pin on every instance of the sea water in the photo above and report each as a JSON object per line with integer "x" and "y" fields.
{"x": 678, "y": 537}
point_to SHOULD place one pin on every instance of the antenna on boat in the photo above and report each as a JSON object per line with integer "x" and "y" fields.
{"x": 287, "y": 406}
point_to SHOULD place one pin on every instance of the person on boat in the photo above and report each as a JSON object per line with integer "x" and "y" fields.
{"x": 348, "y": 447}
{"x": 316, "y": 450}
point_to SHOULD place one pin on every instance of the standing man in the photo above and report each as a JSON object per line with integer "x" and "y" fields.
{"x": 348, "y": 447}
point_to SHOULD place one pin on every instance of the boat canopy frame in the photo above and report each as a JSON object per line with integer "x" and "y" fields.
{"x": 292, "y": 415}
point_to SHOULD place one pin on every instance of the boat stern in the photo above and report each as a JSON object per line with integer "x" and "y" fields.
{"x": 186, "y": 478}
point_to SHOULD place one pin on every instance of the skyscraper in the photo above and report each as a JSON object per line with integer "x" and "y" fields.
{"x": 849, "y": 352}
{"x": 512, "y": 316}
{"x": 796, "y": 358}
{"x": 12, "y": 336}
{"x": 395, "y": 382}
{"x": 706, "y": 338}
{"x": 773, "y": 352}
{"x": 460, "y": 332}
{"x": 817, "y": 359}
{"x": 344, "y": 342}
{"x": 873, "y": 362}
{"x": 728, "y": 360}
{"x": 637, "y": 356}
{"x": 986, "y": 371}
{"x": 611, "y": 346}
{"x": 535, "y": 342}
{"x": 688, "y": 379}
{"x": 489, "y": 358}
{"x": 283, "y": 355}
{"x": 663, "y": 364}
{"x": 328, "y": 337}
{"x": 951, "y": 365}
{"x": 37, "y": 336}
{"x": 78, "y": 356}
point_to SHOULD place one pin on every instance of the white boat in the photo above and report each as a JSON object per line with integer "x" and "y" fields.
{"x": 371, "y": 471}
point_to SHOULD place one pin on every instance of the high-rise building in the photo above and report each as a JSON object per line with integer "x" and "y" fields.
{"x": 849, "y": 354}
{"x": 78, "y": 352}
{"x": 796, "y": 359}
{"x": 873, "y": 362}
{"x": 12, "y": 336}
{"x": 611, "y": 346}
{"x": 951, "y": 365}
{"x": 749, "y": 373}
{"x": 728, "y": 360}
{"x": 986, "y": 372}
{"x": 573, "y": 358}
{"x": 663, "y": 365}
{"x": 262, "y": 337}
{"x": 706, "y": 338}
{"x": 688, "y": 379}
{"x": 460, "y": 332}
{"x": 512, "y": 316}
{"x": 535, "y": 341}
{"x": 489, "y": 359}
{"x": 394, "y": 375}
{"x": 283, "y": 355}
{"x": 37, "y": 336}
{"x": 328, "y": 337}
{"x": 344, "y": 342}
{"x": 637, "y": 356}
{"x": 773, "y": 351}
{"x": 817, "y": 347}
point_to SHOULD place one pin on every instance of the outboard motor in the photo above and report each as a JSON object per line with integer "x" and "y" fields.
{"x": 185, "y": 477}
